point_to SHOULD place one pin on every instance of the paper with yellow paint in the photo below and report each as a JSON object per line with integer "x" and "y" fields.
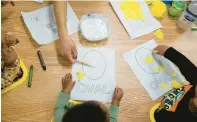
{"x": 132, "y": 10}
{"x": 153, "y": 71}
{"x": 137, "y": 21}
{"x": 96, "y": 83}
{"x": 163, "y": 85}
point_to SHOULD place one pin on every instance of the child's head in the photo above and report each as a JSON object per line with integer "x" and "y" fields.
{"x": 91, "y": 111}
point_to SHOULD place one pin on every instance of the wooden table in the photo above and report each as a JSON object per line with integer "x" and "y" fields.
{"x": 36, "y": 104}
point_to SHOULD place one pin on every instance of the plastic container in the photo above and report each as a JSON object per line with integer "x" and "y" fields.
{"x": 188, "y": 16}
{"x": 177, "y": 8}
{"x": 94, "y": 27}
{"x": 21, "y": 80}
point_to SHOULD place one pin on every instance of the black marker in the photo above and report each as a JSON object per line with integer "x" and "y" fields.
{"x": 41, "y": 60}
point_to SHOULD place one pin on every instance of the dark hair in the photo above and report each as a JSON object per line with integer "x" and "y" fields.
{"x": 86, "y": 112}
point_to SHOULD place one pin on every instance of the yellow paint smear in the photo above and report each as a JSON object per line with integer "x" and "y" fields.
{"x": 149, "y": 59}
{"x": 80, "y": 75}
{"x": 175, "y": 84}
{"x": 159, "y": 34}
{"x": 173, "y": 74}
{"x": 156, "y": 68}
{"x": 163, "y": 68}
{"x": 132, "y": 10}
{"x": 164, "y": 85}
{"x": 94, "y": 44}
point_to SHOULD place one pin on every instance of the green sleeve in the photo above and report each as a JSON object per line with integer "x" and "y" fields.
{"x": 113, "y": 111}
{"x": 61, "y": 106}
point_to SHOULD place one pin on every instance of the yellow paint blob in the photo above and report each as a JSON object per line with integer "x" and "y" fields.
{"x": 132, "y": 10}
{"x": 156, "y": 68}
{"x": 158, "y": 9}
{"x": 149, "y": 59}
{"x": 175, "y": 84}
{"x": 163, "y": 68}
{"x": 173, "y": 74}
{"x": 80, "y": 75}
{"x": 135, "y": 98}
{"x": 159, "y": 34}
{"x": 94, "y": 44}
{"x": 164, "y": 85}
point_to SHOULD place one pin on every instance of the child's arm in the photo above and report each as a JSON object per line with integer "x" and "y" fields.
{"x": 187, "y": 68}
{"x": 62, "y": 104}
{"x": 114, "y": 107}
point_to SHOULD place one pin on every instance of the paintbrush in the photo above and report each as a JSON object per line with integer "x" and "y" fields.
{"x": 85, "y": 62}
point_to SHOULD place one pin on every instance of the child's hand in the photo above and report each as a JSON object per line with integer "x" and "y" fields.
{"x": 161, "y": 49}
{"x": 118, "y": 94}
{"x": 67, "y": 83}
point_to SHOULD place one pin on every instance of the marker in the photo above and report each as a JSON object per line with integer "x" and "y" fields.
{"x": 30, "y": 76}
{"x": 41, "y": 60}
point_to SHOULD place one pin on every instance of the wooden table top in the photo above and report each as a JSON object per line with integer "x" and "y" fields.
{"x": 36, "y": 104}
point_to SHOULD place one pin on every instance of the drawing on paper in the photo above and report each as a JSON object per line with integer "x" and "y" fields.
{"x": 42, "y": 24}
{"x": 52, "y": 28}
{"x": 136, "y": 17}
{"x": 92, "y": 88}
{"x": 155, "y": 72}
{"x": 153, "y": 64}
{"x": 99, "y": 63}
{"x": 98, "y": 82}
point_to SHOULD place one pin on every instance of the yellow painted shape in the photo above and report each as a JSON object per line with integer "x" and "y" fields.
{"x": 80, "y": 75}
{"x": 163, "y": 68}
{"x": 94, "y": 44}
{"x": 159, "y": 34}
{"x": 158, "y": 9}
{"x": 135, "y": 98}
{"x": 173, "y": 74}
{"x": 175, "y": 84}
{"x": 164, "y": 85}
{"x": 149, "y": 59}
{"x": 156, "y": 69}
{"x": 132, "y": 10}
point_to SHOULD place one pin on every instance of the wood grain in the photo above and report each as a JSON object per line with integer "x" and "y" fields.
{"x": 36, "y": 104}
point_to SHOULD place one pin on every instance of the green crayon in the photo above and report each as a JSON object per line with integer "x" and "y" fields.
{"x": 30, "y": 76}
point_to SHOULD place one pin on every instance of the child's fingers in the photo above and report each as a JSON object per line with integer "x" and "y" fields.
{"x": 72, "y": 86}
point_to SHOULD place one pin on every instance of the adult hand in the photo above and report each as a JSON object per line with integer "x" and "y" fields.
{"x": 67, "y": 48}
{"x": 118, "y": 94}
{"x": 161, "y": 49}
{"x": 67, "y": 83}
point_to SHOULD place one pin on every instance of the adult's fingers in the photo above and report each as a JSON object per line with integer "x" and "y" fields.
{"x": 70, "y": 58}
{"x": 74, "y": 52}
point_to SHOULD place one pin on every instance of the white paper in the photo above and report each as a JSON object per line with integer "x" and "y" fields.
{"x": 145, "y": 72}
{"x": 42, "y": 24}
{"x": 99, "y": 82}
{"x": 137, "y": 28}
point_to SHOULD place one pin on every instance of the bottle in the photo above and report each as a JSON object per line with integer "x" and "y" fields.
{"x": 188, "y": 17}
{"x": 177, "y": 8}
